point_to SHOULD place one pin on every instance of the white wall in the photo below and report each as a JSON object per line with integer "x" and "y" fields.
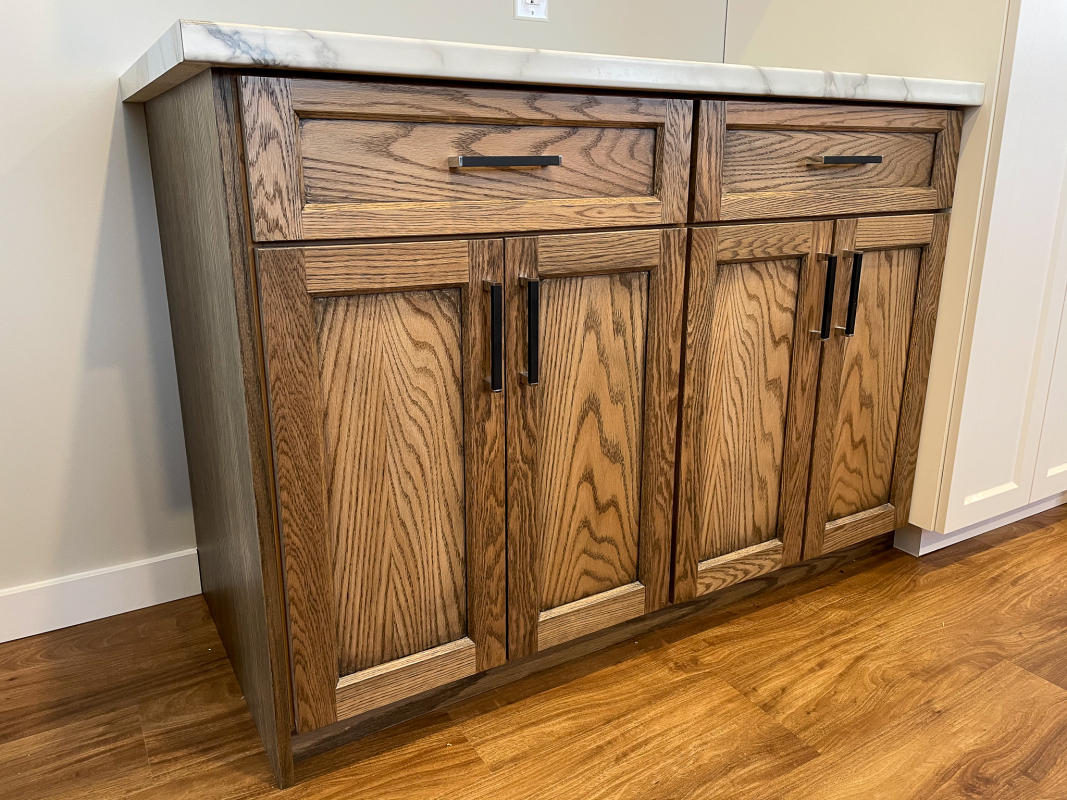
{"x": 92, "y": 461}
{"x": 959, "y": 39}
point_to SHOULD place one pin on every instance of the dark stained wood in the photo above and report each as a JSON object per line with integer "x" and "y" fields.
{"x": 211, "y": 293}
{"x": 946, "y": 158}
{"x": 390, "y": 368}
{"x": 749, "y": 393}
{"x": 485, "y": 448}
{"x": 740, "y": 565}
{"x": 859, "y": 526}
{"x": 709, "y": 139}
{"x": 589, "y": 614}
{"x": 769, "y": 115}
{"x": 291, "y": 352}
{"x": 368, "y": 269}
{"x": 598, "y": 253}
{"x": 272, "y": 158}
{"x": 921, "y": 347}
{"x": 372, "y": 159}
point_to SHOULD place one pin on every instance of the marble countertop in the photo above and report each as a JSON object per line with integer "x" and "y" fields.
{"x": 190, "y": 47}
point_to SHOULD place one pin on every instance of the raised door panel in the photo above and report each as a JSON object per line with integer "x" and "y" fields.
{"x": 389, "y": 457}
{"x": 341, "y": 158}
{"x": 591, "y": 429}
{"x": 873, "y": 378}
{"x": 749, "y": 394}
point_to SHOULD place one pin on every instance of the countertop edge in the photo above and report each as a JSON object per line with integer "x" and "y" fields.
{"x": 189, "y": 47}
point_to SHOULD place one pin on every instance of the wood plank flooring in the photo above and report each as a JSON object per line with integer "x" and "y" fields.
{"x": 892, "y": 677}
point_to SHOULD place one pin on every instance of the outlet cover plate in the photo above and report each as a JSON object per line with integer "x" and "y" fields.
{"x": 533, "y": 10}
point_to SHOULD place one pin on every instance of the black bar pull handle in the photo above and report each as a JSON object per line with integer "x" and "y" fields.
{"x": 496, "y": 335}
{"x": 490, "y": 162}
{"x": 533, "y": 330}
{"x": 843, "y": 161}
{"x": 828, "y": 297}
{"x": 853, "y": 294}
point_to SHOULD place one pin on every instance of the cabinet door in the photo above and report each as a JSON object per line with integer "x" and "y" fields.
{"x": 594, "y": 340}
{"x": 872, "y": 384}
{"x": 389, "y": 460}
{"x": 751, "y": 365}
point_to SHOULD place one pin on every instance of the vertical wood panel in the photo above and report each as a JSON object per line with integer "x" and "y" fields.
{"x": 485, "y": 473}
{"x": 589, "y": 433}
{"x": 946, "y": 157}
{"x": 746, "y": 391}
{"x": 710, "y": 141}
{"x": 391, "y": 376}
{"x": 296, "y": 421}
{"x": 872, "y": 381}
{"x": 272, "y": 157}
{"x": 672, "y": 168}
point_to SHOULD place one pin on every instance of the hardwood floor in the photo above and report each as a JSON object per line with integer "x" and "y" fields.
{"x": 892, "y": 677}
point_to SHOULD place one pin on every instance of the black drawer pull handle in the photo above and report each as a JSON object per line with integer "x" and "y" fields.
{"x": 496, "y": 335}
{"x": 843, "y": 161}
{"x": 488, "y": 162}
{"x": 828, "y": 296}
{"x": 853, "y": 294}
{"x": 533, "y": 330}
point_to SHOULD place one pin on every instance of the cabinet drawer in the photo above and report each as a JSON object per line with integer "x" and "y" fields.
{"x": 764, "y": 160}
{"x": 337, "y": 159}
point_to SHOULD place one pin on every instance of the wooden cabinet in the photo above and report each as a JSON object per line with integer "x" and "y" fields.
{"x": 763, "y": 160}
{"x": 751, "y": 370}
{"x": 389, "y": 460}
{"x": 556, "y": 393}
{"x": 591, "y": 443}
{"x": 335, "y": 159}
{"x": 872, "y": 385}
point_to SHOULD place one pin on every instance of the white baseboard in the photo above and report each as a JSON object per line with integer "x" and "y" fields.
{"x": 919, "y": 541}
{"x": 74, "y": 599}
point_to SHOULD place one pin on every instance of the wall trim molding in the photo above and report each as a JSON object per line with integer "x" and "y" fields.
{"x": 73, "y": 599}
{"x": 920, "y": 541}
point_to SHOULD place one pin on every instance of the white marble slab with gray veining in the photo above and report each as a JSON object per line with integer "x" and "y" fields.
{"x": 191, "y": 47}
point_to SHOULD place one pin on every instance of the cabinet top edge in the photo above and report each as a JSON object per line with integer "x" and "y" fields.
{"x": 189, "y": 47}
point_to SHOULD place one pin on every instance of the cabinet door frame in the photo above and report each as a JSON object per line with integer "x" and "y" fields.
{"x": 661, "y": 254}
{"x": 930, "y": 233}
{"x": 273, "y": 107}
{"x": 711, "y": 247}
{"x": 290, "y": 278}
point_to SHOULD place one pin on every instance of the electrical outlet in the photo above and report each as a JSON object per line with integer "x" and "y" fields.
{"x": 536, "y": 10}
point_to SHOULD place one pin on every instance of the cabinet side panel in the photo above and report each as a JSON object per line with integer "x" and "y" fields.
{"x": 204, "y": 259}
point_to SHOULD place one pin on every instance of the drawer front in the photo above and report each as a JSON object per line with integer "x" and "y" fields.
{"x": 767, "y": 160}
{"x": 337, "y": 159}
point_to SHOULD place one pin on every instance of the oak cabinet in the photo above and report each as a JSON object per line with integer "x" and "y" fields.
{"x": 558, "y": 392}
{"x": 872, "y": 385}
{"x": 749, "y": 394}
{"x": 591, "y": 426}
{"x": 389, "y": 460}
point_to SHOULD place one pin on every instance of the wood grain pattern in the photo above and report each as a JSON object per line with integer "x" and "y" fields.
{"x": 598, "y": 253}
{"x": 777, "y": 161}
{"x": 829, "y": 202}
{"x": 485, "y": 448}
{"x": 872, "y": 383}
{"x": 388, "y": 682}
{"x": 290, "y": 351}
{"x": 589, "y": 434}
{"x": 367, "y": 269}
{"x": 709, "y": 139}
{"x": 857, "y": 527}
{"x": 199, "y": 192}
{"x": 749, "y": 391}
{"x": 759, "y": 114}
{"x": 740, "y": 565}
{"x": 663, "y": 357}
{"x": 372, "y": 161}
{"x": 876, "y": 233}
{"x": 946, "y": 158}
{"x": 589, "y": 614}
{"x": 272, "y": 158}
{"x": 746, "y": 390}
{"x": 921, "y": 345}
{"x": 392, "y": 400}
